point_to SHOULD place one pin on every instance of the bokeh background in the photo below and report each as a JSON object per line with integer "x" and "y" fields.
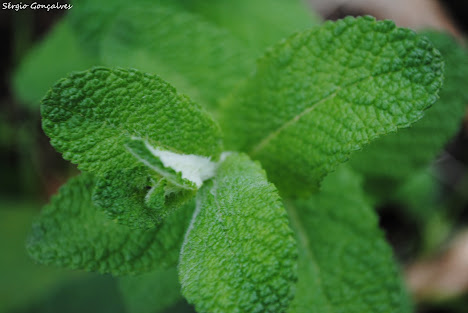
{"x": 430, "y": 243}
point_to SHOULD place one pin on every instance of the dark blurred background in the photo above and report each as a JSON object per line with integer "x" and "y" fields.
{"x": 32, "y": 171}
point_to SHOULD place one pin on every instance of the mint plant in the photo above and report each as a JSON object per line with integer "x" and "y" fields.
{"x": 427, "y": 137}
{"x": 237, "y": 200}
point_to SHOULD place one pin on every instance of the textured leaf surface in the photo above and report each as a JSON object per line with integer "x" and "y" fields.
{"x": 396, "y": 156}
{"x": 152, "y": 292}
{"x": 125, "y": 196}
{"x": 239, "y": 254}
{"x": 345, "y": 265}
{"x": 181, "y": 170}
{"x": 122, "y": 196}
{"x": 199, "y": 58}
{"x": 72, "y": 233}
{"x": 324, "y": 93}
{"x": 224, "y": 38}
{"x": 89, "y": 116}
{"x": 56, "y": 56}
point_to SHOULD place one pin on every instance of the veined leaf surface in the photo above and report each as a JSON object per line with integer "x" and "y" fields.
{"x": 239, "y": 254}
{"x": 391, "y": 159}
{"x": 90, "y": 116}
{"x": 345, "y": 265}
{"x": 72, "y": 233}
{"x": 323, "y": 93}
{"x": 199, "y": 58}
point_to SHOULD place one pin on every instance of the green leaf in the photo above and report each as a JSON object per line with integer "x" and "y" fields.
{"x": 140, "y": 201}
{"x": 199, "y": 58}
{"x": 123, "y": 194}
{"x": 57, "y": 55}
{"x": 72, "y": 233}
{"x": 152, "y": 292}
{"x": 114, "y": 121}
{"x": 345, "y": 265}
{"x": 324, "y": 93}
{"x": 422, "y": 142}
{"x": 126, "y": 196}
{"x": 142, "y": 197}
{"x": 184, "y": 171}
{"x": 420, "y": 193}
{"x": 22, "y": 282}
{"x": 239, "y": 254}
{"x": 224, "y": 38}
{"x": 91, "y": 293}
{"x": 257, "y": 23}
{"x": 90, "y": 116}
{"x": 91, "y": 19}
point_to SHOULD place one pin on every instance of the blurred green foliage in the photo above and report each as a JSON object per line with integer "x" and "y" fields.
{"x": 72, "y": 45}
{"x": 22, "y": 282}
{"x": 54, "y": 57}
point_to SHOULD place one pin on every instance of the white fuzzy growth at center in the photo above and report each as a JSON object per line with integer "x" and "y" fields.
{"x": 193, "y": 167}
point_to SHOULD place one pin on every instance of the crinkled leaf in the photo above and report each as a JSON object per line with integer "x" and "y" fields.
{"x": 72, "y": 233}
{"x": 90, "y": 116}
{"x": 57, "y": 55}
{"x": 156, "y": 36}
{"x": 396, "y": 156}
{"x": 224, "y": 39}
{"x": 126, "y": 196}
{"x": 345, "y": 265}
{"x": 239, "y": 254}
{"x": 152, "y": 292}
{"x": 93, "y": 118}
{"x": 148, "y": 156}
{"x": 324, "y": 93}
{"x": 122, "y": 195}
{"x": 199, "y": 58}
